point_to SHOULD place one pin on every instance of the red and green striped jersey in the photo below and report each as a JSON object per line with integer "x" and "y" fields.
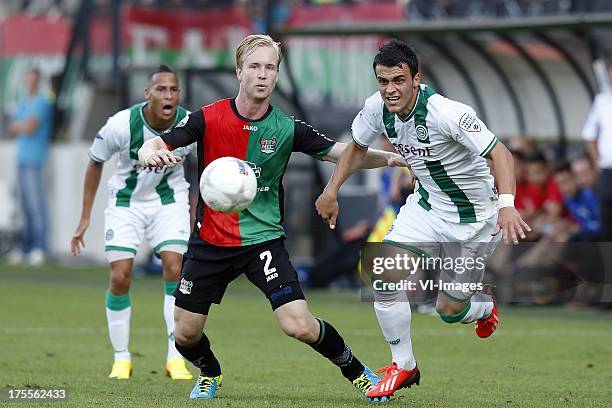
{"x": 266, "y": 144}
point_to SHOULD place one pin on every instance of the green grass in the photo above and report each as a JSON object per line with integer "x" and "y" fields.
{"x": 53, "y": 334}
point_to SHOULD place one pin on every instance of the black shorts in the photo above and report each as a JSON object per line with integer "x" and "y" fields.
{"x": 209, "y": 269}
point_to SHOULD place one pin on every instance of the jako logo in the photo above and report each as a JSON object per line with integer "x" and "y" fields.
{"x": 394, "y": 342}
{"x": 250, "y": 128}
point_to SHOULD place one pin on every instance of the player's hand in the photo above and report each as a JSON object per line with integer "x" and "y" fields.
{"x": 396, "y": 160}
{"x": 509, "y": 220}
{"x": 77, "y": 243}
{"x": 327, "y": 207}
{"x": 162, "y": 158}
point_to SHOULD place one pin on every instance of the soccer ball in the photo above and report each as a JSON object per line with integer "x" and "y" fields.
{"x": 228, "y": 185}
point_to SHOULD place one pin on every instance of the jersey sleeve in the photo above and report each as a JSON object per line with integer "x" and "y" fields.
{"x": 107, "y": 141}
{"x": 308, "y": 140}
{"x": 185, "y": 150}
{"x": 188, "y": 131}
{"x": 591, "y": 126}
{"x": 462, "y": 124}
{"x": 368, "y": 124}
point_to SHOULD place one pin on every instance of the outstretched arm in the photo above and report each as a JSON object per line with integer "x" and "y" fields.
{"x": 509, "y": 220}
{"x": 90, "y": 187}
{"x": 155, "y": 153}
{"x": 373, "y": 159}
{"x": 327, "y": 204}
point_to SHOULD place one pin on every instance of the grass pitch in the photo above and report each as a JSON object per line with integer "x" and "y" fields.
{"x": 53, "y": 335}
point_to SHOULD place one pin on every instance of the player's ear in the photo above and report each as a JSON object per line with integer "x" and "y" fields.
{"x": 416, "y": 81}
{"x": 238, "y": 72}
{"x": 147, "y": 93}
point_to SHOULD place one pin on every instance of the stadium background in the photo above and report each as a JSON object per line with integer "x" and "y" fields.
{"x": 530, "y": 69}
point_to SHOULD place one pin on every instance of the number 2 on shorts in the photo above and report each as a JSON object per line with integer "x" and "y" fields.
{"x": 267, "y": 255}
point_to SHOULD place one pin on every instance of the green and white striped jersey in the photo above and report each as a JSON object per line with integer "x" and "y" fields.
{"x": 131, "y": 184}
{"x": 446, "y": 144}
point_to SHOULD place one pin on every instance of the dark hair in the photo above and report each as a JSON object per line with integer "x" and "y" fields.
{"x": 537, "y": 157}
{"x": 394, "y": 53}
{"x": 562, "y": 167}
{"x": 517, "y": 154}
{"x": 161, "y": 69}
{"x": 584, "y": 156}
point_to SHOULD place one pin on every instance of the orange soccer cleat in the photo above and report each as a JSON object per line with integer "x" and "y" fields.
{"x": 486, "y": 327}
{"x": 394, "y": 379}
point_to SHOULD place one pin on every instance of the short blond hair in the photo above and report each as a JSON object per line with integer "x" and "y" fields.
{"x": 250, "y": 43}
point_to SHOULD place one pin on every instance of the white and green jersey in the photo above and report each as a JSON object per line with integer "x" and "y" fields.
{"x": 132, "y": 184}
{"x": 445, "y": 144}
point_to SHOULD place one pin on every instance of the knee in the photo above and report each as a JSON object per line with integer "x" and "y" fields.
{"x": 301, "y": 329}
{"x": 120, "y": 280}
{"x": 186, "y": 335}
{"x": 173, "y": 270}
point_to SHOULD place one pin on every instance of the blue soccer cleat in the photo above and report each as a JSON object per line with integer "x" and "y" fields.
{"x": 365, "y": 382}
{"x": 206, "y": 387}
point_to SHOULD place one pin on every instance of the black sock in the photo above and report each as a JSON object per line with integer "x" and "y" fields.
{"x": 332, "y": 346}
{"x": 201, "y": 356}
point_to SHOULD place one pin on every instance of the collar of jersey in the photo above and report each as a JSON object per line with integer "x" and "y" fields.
{"x": 416, "y": 103}
{"x": 144, "y": 120}
{"x": 235, "y": 109}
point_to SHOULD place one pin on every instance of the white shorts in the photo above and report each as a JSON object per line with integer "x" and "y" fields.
{"x": 450, "y": 244}
{"x": 165, "y": 227}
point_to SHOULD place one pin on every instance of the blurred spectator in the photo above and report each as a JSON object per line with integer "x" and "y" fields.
{"x": 472, "y": 9}
{"x": 32, "y": 126}
{"x": 402, "y": 185}
{"x": 585, "y": 173}
{"x": 520, "y": 174}
{"x": 582, "y": 6}
{"x": 522, "y": 144}
{"x": 581, "y": 203}
{"x": 597, "y": 133}
{"x": 542, "y": 198}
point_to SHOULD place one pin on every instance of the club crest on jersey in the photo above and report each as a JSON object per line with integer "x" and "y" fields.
{"x": 268, "y": 146}
{"x": 469, "y": 123}
{"x": 422, "y": 134}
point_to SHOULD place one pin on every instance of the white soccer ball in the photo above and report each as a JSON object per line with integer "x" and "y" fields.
{"x": 228, "y": 185}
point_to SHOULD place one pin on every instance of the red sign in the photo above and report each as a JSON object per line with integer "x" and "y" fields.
{"x": 336, "y": 13}
{"x": 169, "y": 28}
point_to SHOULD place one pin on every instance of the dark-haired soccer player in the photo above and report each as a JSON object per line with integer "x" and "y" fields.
{"x": 144, "y": 203}
{"x": 455, "y": 200}
{"x": 223, "y": 246}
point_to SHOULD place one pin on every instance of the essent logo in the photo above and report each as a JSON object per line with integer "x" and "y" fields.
{"x": 405, "y": 150}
